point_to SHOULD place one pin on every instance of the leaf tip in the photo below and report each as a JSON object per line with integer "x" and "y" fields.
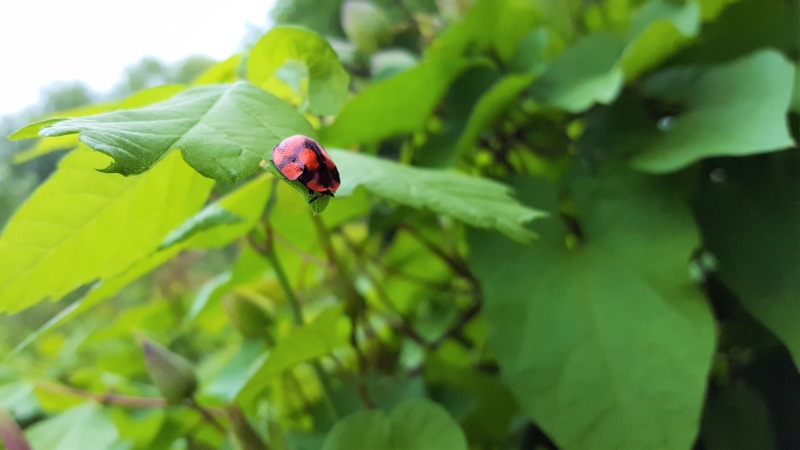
{"x": 33, "y": 130}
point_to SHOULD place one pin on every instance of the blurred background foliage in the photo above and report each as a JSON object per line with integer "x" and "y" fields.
{"x": 656, "y": 308}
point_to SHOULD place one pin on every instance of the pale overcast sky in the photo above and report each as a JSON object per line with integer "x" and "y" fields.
{"x": 95, "y": 40}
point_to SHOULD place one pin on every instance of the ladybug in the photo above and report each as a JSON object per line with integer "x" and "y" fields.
{"x": 302, "y": 158}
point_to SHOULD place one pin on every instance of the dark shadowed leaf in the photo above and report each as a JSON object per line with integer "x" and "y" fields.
{"x": 749, "y": 214}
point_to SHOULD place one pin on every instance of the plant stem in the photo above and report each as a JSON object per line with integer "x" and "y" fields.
{"x": 355, "y": 305}
{"x": 283, "y": 280}
{"x": 267, "y": 249}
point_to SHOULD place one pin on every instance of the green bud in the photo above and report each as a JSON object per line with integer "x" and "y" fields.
{"x": 172, "y": 374}
{"x": 248, "y": 316}
{"x": 365, "y": 25}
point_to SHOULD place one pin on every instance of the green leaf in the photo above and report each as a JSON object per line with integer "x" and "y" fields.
{"x": 222, "y": 72}
{"x": 478, "y": 202}
{"x": 395, "y": 106}
{"x": 736, "y": 416}
{"x": 494, "y": 103}
{"x": 327, "y": 82}
{"x": 248, "y": 202}
{"x": 210, "y": 217}
{"x": 749, "y": 214}
{"x": 710, "y": 9}
{"x": 413, "y": 425}
{"x": 68, "y": 142}
{"x": 87, "y": 427}
{"x": 222, "y": 131}
{"x": 658, "y": 30}
{"x": 585, "y": 74}
{"x": 711, "y": 121}
{"x": 606, "y": 345}
{"x": 318, "y": 338}
{"x": 81, "y": 225}
{"x": 796, "y": 94}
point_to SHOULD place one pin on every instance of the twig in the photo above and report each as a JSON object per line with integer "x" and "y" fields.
{"x": 206, "y": 414}
{"x": 108, "y": 398}
{"x": 458, "y": 326}
{"x": 456, "y": 264}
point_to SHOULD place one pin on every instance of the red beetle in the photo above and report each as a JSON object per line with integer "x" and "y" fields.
{"x": 302, "y": 158}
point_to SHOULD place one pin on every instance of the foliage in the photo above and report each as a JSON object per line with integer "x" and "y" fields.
{"x": 560, "y": 224}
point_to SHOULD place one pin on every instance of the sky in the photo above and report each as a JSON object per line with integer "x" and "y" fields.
{"x": 42, "y": 42}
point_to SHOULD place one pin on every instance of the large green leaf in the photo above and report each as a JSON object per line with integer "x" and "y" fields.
{"x": 223, "y": 131}
{"x": 246, "y": 202}
{"x": 606, "y": 344}
{"x": 327, "y": 81}
{"x": 318, "y": 338}
{"x": 712, "y": 121}
{"x": 81, "y": 225}
{"x": 413, "y": 425}
{"x": 749, "y": 212}
{"x": 87, "y": 427}
{"x": 476, "y": 201}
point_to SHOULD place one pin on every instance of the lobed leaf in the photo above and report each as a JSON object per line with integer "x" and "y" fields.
{"x": 560, "y": 321}
{"x": 222, "y": 131}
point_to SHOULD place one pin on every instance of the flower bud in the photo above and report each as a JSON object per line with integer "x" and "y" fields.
{"x": 171, "y": 373}
{"x": 248, "y": 316}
